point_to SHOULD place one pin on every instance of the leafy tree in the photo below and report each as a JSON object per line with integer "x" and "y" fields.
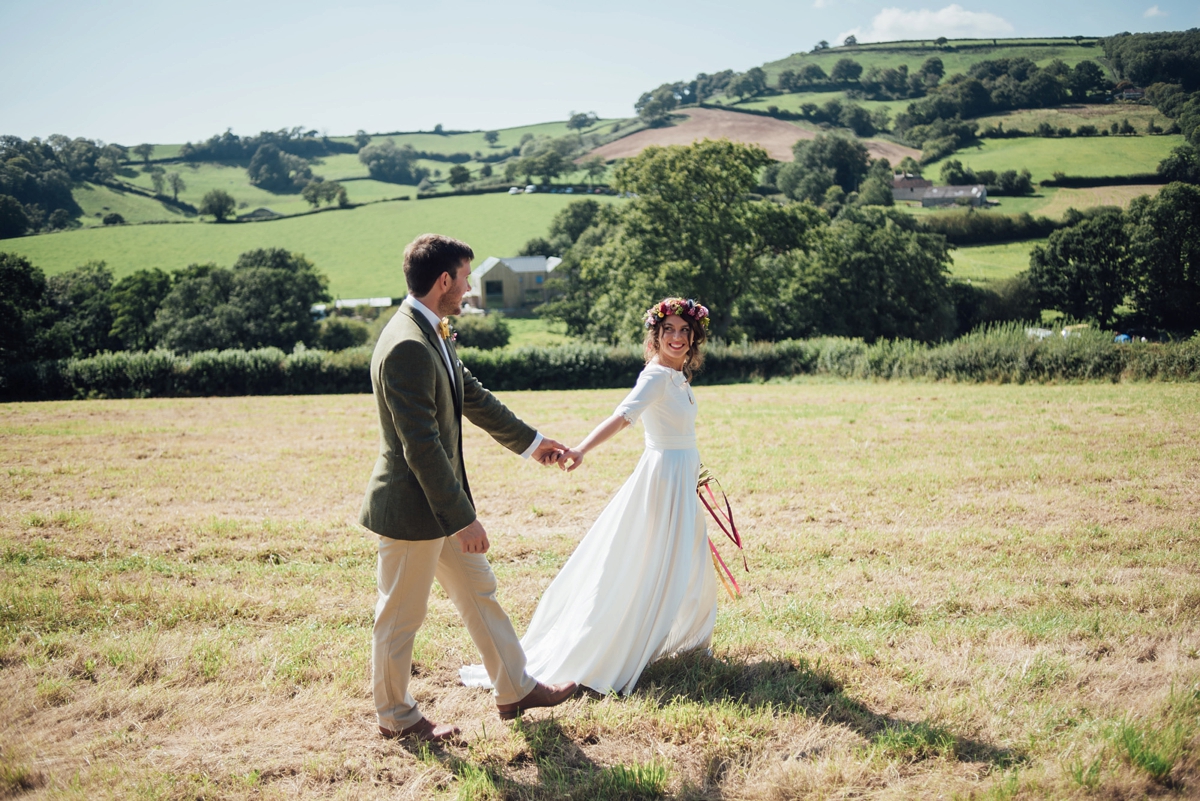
{"x": 319, "y": 190}
{"x": 822, "y": 162}
{"x": 157, "y": 180}
{"x": 386, "y": 162}
{"x": 876, "y": 189}
{"x": 59, "y": 219}
{"x": 134, "y": 301}
{"x": 339, "y": 333}
{"x": 1165, "y": 238}
{"x": 491, "y": 137}
{"x": 175, "y": 181}
{"x": 361, "y": 138}
{"x": 144, "y": 152}
{"x": 812, "y": 73}
{"x": 857, "y": 119}
{"x": 276, "y": 171}
{"x": 932, "y": 71}
{"x": 1087, "y": 77}
{"x": 575, "y": 218}
{"x": 846, "y": 70}
{"x": 751, "y": 83}
{"x": 485, "y": 332}
{"x": 113, "y": 218}
{"x": 197, "y": 314}
{"x": 218, "y": 203}
{"x": 821, "y": 45}
{"x": 580, "y": 120}
{"x": 870, "y": 274}
{"x": 13, "y": 219}
{"x": 692, "y": 220}
{"x": 22, "y": 308}
{"x": 81, "y": 317}
{"x": 1182, "y": 165}
{"x": 485, "y": 171}
{"x": 595, "y": 168}
{"x": 788, "y": 81}
{"x": 910, "y": 166}
{"x": 850, "y": 41}
{"x": 1084, "y": 270}
{"x": 654, "y": 107}
{"x": 459, "y": 175}
{"x": 538, "y": 246}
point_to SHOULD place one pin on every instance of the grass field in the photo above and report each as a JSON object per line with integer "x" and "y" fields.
{"x": 983, "y": 263}
{"x": 1072, "y": 116}
{"x": 955, "y": 61}
{"x": 955, "y": 591}
{"x": 1050, "y": 201}
{"x": 535, "y": 331}
{"x": 793, "y": 101}
{"x": 358, "y": 249}
{"x": 1079, "y": 156}
{"x": 96, "y": 201}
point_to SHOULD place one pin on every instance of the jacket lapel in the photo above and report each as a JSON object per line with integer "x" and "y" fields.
{"x": 433, "y": 337}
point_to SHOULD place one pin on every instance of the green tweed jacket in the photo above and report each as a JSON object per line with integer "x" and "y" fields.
{"x": 419, "y": 489}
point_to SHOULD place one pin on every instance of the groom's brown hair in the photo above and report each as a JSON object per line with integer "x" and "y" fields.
{"x": 430, "y": 255}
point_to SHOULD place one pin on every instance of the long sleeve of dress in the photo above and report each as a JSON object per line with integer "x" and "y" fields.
{"x": 648, "y": 389}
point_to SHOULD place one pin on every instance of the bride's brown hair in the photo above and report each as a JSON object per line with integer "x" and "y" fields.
{"x": 693, "y": 360}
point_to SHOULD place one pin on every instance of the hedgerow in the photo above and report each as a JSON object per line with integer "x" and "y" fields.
{"x": 998, "y": 354}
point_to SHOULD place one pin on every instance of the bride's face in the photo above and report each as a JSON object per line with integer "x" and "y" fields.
{"x": 674, "y": 341}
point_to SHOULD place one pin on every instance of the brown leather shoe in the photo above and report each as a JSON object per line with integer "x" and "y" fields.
{"x": 424, "y": 731}
{"x": 542, "y": 695}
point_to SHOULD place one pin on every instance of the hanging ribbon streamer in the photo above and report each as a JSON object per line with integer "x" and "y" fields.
{"x": 722, "y": 517}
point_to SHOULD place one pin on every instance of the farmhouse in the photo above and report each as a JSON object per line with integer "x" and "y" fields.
{"x": 975, "y": 195}
{"x": 909, "y": 187}
{"x": 514, "y": 283}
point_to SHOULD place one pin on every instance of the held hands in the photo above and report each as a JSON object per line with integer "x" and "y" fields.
{"x": 573, "y": 456}
{"x": 549, "y": 452}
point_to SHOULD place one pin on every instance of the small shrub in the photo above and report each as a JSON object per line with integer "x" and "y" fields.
{"x": 113, "y": 219}
{"x": 916, "y": 741}
{"x": 483, "y": 332}
{"x": 1155, "y": 752}
{"x": 339, "y": 333}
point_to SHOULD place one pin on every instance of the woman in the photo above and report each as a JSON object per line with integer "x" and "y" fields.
{"x": 640, "y": 586}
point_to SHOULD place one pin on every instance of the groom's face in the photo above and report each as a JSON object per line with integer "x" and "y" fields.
{"x": 451, "y": 302}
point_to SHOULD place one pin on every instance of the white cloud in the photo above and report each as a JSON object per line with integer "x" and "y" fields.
{"x": 953, "y": 22}
{"x": 1154, "y": 11}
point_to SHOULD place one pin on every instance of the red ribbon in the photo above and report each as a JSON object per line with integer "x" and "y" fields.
{"x": 731, "y": 532}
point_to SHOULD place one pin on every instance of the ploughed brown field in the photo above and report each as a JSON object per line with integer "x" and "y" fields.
{"x": 956, "y": 591}
{"x": 775, "y": 136}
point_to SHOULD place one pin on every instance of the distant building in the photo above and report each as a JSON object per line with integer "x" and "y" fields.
{"x": 1132, "y": 93}
{"x": 975, "y": 195}
{"x": 909, "y": 187}
{"x": 319, "y": 310}
{"x": 515, "y": 283}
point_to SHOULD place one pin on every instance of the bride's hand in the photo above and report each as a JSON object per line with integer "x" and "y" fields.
{"x": 574, "y": 455}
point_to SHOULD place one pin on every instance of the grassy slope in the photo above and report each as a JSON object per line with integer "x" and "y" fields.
{"x": 983, "y": 263}
{"x": 1074, "y": 115}
{"x": 1083, "y": 156}
{"x": 358, "y": 249}
{"x": 97, "y": 201}
{"x": 961, "y": 591}
{"x": 886, "y": 55}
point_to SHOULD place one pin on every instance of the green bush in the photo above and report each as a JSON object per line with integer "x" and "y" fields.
{"x": 339, "y": 333}
{"x": 485, "y": 332}
{"x": 1000, "y": 353}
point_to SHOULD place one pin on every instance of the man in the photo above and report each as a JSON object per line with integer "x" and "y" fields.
{"x": 419, "y": 502}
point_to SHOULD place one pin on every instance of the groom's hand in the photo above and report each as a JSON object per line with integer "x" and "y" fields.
{"x": 473, "y": 539}
{"x": 548, "y": 452}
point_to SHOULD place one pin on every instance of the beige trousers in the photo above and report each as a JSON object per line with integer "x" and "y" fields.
{"x": 406, "y": 570}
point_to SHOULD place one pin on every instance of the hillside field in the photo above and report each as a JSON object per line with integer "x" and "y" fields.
{"x": 958, "y": 591}
{"x": 1079, "y": 156}
{"x": 984, "y": 263}
{"x": 359, "y": 249}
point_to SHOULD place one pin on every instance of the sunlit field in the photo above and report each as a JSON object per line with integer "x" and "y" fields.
{"x": 955, "y": 591}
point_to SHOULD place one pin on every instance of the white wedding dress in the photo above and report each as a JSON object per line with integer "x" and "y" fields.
{"x": 641, "y": 584}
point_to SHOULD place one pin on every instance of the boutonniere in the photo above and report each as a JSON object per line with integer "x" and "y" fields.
{"x": 446, "y": 331}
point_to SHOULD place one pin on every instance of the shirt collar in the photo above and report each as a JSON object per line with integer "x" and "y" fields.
{"x": 433, "y": 319}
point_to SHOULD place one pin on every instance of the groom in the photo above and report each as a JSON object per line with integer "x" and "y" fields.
{"x": 419, "y": 502}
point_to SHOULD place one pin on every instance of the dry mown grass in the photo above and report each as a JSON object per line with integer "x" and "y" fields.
{"x": 957, "y": 591}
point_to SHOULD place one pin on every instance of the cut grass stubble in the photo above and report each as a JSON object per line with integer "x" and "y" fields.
{"x": 954, "y": 590}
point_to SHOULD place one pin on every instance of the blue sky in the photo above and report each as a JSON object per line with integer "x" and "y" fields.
{"x": 130, "y": 72}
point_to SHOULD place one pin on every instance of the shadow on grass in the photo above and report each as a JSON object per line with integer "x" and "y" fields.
{"x": 791, "y": 687}
{"x": 560, "y": 769}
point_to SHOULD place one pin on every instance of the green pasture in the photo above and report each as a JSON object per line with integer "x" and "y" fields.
{"x": 359, "y": 249}
{"x": 983, "y": 263}
{"x": 536, "y": 332}
{"x": 1079, "y": 156}
{"x": 914, "y": 54}
{"x": 1102, "y": 115}
{"x": 473, "y": 141}
{"x": 793, "y": 101}
{"x": 97, "y": 201}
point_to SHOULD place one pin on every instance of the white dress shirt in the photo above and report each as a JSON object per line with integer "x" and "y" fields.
{"x": 436, "y": 322}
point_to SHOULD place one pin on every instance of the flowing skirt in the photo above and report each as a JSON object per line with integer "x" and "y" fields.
{"x": 639, "y": 587}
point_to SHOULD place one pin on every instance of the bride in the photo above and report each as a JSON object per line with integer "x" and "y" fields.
{"x": 640, "y": 586}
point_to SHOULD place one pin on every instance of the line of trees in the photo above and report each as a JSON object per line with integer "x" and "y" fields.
{"x": 263, "y": 300}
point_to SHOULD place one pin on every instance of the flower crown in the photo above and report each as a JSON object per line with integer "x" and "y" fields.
{"x": 682, "y": 307}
